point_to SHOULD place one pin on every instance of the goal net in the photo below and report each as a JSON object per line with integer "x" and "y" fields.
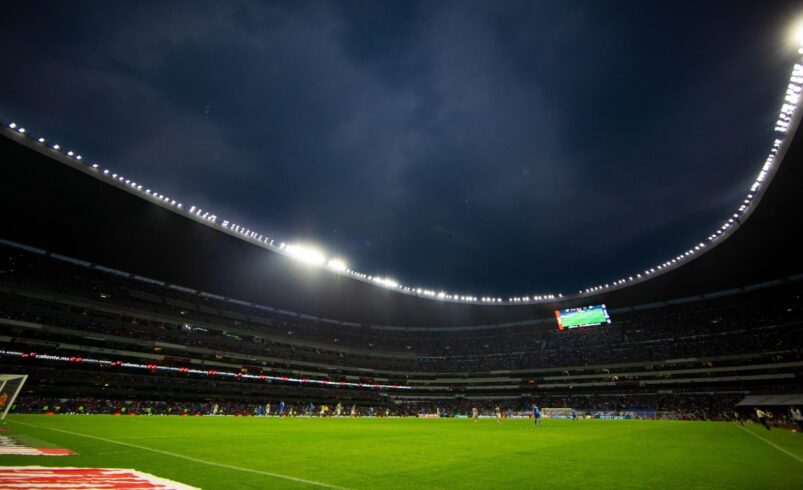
{"x": 558, "y": 413}
{"x": 10, "y": 387}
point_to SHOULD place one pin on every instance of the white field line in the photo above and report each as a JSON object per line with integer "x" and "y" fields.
{"x": 779, "y": 448}
{"x": 189, "y": 458}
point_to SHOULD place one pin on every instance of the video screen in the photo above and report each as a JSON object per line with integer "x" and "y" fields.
{"x": 582, "y": 317}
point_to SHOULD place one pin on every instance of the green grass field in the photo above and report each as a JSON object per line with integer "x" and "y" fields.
{"x": 248, "y": 452}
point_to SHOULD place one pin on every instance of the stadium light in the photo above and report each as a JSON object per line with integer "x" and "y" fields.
{"x": 796, "y": 33}
{"x": 338, "y": 265}
{"x": 306, "y": 254}
{"x": 387, "y": 282}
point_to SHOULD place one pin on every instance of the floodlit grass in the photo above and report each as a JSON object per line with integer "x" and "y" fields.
{"x": 415, "y": 453}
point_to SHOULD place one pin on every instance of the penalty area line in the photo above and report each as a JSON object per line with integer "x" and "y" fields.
{"x": 188, "y": 458}
{"x": 779, "y": 448}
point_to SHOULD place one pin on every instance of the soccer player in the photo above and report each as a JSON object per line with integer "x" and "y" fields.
{"x": 338, "y": 409}
{"x": 797, "y": 417}
{"x": 354, "y": 410}
{"x": 762, "y": 418}
{"x": 536, "y": 415}
{"x": 498, "y": 414}
{"x": 267, "y": 409}
{"x": 574, "y": 415}
{"x": 281, "y": 408}
{"x": 474, "y": 414}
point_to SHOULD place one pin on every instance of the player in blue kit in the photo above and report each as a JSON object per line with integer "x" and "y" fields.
{"x": 536, "y": 415}
{"x": 281, "y": 408}
{"x": 574, "y": 415}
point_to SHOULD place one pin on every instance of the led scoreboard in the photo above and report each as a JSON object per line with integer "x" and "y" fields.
{"x": 582, "y": 317}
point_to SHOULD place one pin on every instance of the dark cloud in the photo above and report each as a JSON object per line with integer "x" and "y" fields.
{"x": 480, "y": 147}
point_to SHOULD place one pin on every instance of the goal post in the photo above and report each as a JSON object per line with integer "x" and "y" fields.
{"x": 10, "y": 387}
{"x": 558, "y": 413}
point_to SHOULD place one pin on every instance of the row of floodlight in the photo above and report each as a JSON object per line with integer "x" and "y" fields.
{"x": 306, "y": 254}
{"x": 106, "y": 172}
{"x": 789, "y": 107}
{"x": 315, "y": 257}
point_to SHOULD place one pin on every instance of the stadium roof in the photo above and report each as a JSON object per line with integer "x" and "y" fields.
{"x": 53, "y": 204}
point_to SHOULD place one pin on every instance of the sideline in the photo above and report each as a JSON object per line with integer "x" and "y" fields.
{"x": 779, "y": 448}
{"x": 189, "y": 458}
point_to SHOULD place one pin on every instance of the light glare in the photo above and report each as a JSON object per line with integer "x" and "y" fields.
{"x": 337, "y": 265}
{"x": 306, "y": 254}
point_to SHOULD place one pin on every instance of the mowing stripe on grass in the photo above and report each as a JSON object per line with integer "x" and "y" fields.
{"x": 175, "y": 436}
{"x": 188, "y": 458}
{"x": 779, "y": 448}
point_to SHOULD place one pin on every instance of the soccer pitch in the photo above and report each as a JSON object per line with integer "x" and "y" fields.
{"x": 250, "y": 452}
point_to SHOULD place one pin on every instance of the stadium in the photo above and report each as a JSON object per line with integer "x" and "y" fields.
{"x": 147, "y": 342}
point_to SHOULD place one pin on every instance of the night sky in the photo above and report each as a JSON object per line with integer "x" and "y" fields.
{"x": 482, "y": 147}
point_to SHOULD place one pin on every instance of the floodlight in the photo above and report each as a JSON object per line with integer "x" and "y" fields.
{"x": 386, "y": 281}
{"x": 306, "y": 254}
{"x": 337, "y": 265}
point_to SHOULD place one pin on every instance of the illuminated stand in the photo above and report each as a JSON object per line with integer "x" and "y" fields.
{"x": 10, "y": 387}
{"x": 202, "y": 372}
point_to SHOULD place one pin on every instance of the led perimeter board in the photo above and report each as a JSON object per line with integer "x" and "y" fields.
{"x": 582, "y": 317}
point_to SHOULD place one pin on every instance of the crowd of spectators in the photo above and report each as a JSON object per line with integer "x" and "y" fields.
{"x": 698, "y": 406}
{"x": 49, "y": 405}
{"x": 690, "y": 406}
{"x": 770, "y": 325}
{"x": 72, "y": 307}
